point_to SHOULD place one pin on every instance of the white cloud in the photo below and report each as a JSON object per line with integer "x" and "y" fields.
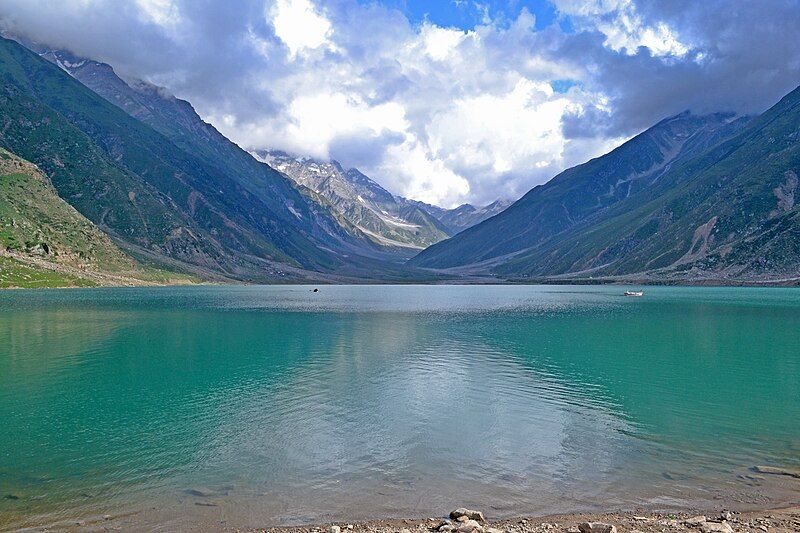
{"x": 443, "y": 121}
{"x": 422, "y": 176}
{"x": 505, "y": 132}
{"x": 433, "y": 112}
{"x": 448, "y": 118}
{"x": 439, "y": 43}
{"x": 300, "y": 26}
{"x": 624, "y": 27}
{"x": 162, "y": 12}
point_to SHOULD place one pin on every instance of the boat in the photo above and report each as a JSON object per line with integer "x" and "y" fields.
{"x": 634, "y": 293}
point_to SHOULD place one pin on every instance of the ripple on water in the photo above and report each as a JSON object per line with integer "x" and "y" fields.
{"x": 402, "y": 400}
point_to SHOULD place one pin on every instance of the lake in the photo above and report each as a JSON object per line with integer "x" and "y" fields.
{"x": 259, "y": 405}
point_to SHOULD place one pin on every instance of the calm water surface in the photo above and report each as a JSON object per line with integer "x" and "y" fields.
{"x": 248, "y": 406}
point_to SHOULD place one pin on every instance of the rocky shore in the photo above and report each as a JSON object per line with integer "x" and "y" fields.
{"x": 464, "y": 520}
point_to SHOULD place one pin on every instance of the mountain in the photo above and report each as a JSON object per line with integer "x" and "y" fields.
{"x": 392, "y": 220}
{"x": 467, "y": 215}
{"x": 45, "y": 242}
{"x": 165, "y": 185}
{"x": 389, "y": 221}
{"x": 692, "y": 197}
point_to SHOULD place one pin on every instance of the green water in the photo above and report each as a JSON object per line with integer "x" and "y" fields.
{"x": 263, "y": 405}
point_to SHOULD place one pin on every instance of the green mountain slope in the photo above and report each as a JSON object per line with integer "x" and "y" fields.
{"x": 582, "y": 191}
{"x": 45, "y": 242}
{"x": 723, "y": 208}
{"x": 177, "y": 120}
{"x": 163, "y": 197}
{"x": 730, "y": 213}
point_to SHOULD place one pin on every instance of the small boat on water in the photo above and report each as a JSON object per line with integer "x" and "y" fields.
{"x": 634, "y": 293}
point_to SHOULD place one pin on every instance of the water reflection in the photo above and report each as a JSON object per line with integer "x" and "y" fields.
{"x": 282, "y": 405}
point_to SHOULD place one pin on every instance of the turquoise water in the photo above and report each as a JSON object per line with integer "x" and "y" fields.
{"x": 263, "y": 405}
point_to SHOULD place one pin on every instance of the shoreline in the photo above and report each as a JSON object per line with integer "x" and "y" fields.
{"x": 722, "y": 520}
{"x": 767, "y": 284}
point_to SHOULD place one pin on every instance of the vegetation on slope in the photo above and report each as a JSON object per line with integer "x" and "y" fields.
{"x": 155, "y": 197}
{"x": 45, "y": 242}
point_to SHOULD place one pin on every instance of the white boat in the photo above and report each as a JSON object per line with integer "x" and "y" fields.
{"x": 634, "y": 293}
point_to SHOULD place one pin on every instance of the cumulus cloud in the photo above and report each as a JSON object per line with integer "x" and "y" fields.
{"x": 298, "y": 24}
{"x": 442, "y": 114}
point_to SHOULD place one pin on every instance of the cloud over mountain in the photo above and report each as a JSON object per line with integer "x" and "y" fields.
{"x": 434, "y": 111}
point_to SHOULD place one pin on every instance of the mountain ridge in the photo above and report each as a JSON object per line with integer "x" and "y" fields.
{"x": 723, "y": 211}
{"x": 585, "y": 189}
{"x": 176, "y": 199}
{"x": 392, "y": 219}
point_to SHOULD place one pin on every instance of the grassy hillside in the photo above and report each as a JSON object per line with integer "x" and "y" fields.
{"x": 45, "y": 242}
{"x": 35, "y": 221}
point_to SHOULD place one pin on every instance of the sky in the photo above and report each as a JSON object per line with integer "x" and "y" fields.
{"x": 445, "y": 101}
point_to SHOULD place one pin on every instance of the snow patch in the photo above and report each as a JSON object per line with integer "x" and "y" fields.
{"x": 294, "y": 211}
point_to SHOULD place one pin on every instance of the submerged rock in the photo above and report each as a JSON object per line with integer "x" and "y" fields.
{"x": 468, "y": 513}
{"x": 201, "y": 492}
{"x": 597, "y": 527}
{"x": 777, "y": 471}
{"x": 206, "y": 504}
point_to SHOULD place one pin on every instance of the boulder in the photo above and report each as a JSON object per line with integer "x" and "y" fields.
{"x": 596, "y": 527}
{"x": 469, "y": 527}
{"x": 469, "y": 513}
{"x": 334, "y": 529}
{"x": 716, "y": 527}
{"x": 695, "y": 521}
{"x": 446, "y": 528}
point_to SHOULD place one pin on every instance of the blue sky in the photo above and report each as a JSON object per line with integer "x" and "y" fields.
{"x": 437, "y": 100}
{"x": 466, "y": 14}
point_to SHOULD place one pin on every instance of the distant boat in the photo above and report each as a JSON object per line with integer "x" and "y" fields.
{"x": 634, "y": 293}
